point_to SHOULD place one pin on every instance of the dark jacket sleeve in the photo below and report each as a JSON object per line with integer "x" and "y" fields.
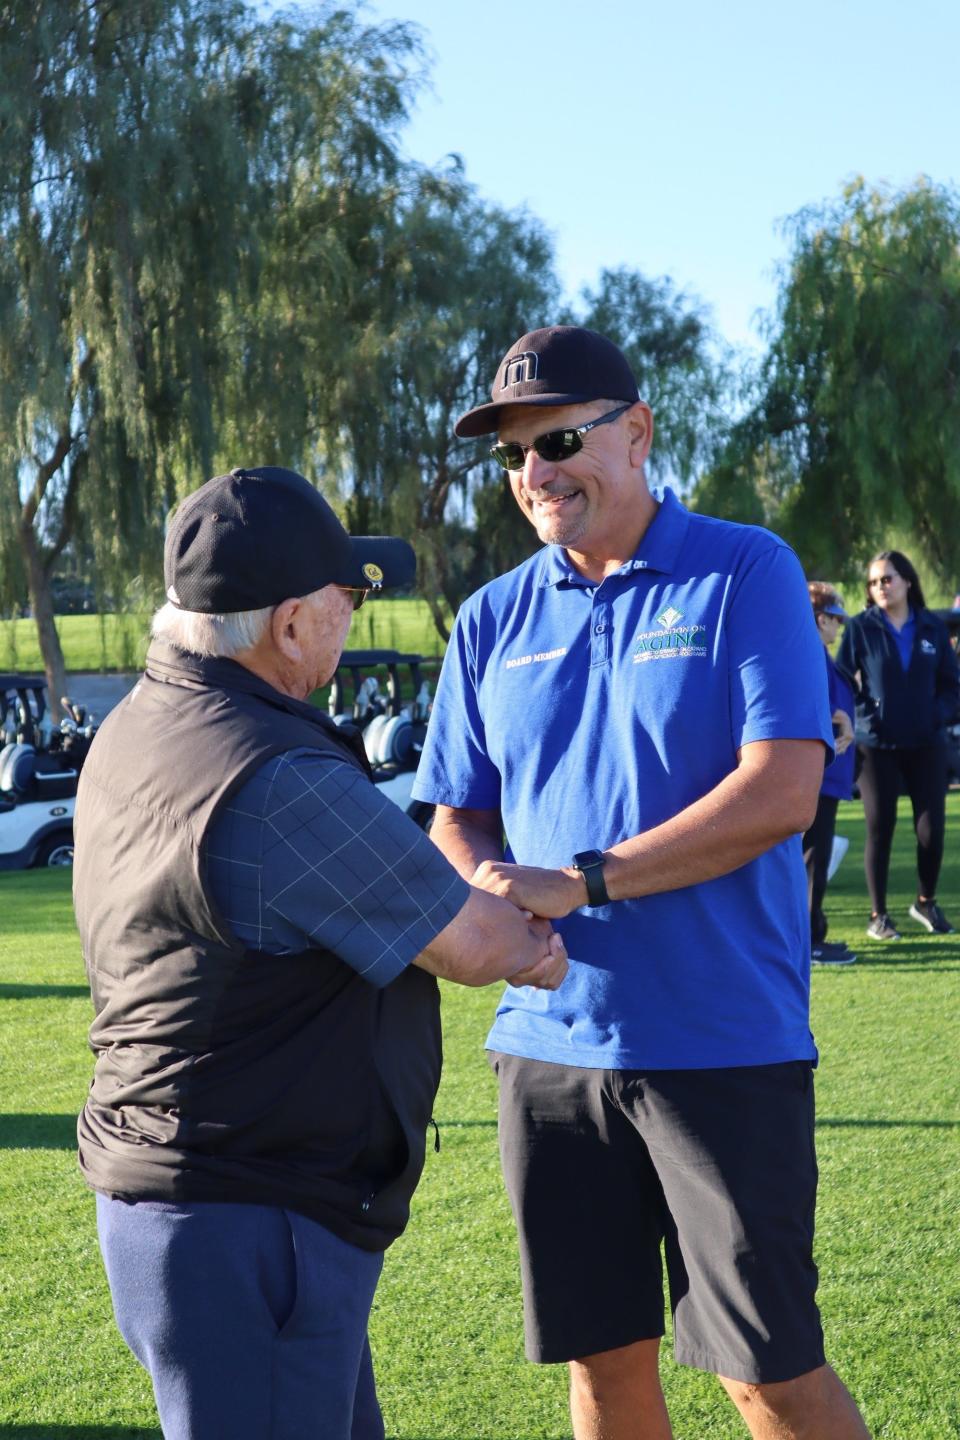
{"x": 948, "y": 677}
{"x": 847, "y": 658}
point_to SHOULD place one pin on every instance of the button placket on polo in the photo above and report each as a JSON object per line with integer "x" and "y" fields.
{"x": 601, "y": 627}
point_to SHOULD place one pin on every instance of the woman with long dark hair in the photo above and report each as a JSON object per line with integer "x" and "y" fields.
{"x": 897, "y": 656}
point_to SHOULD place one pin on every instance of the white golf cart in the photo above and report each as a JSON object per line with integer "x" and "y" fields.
{"x": 39, "y": 769}
{"x": 393, "y": 728}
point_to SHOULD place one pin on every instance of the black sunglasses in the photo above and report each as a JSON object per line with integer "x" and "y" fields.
{"x": 356, "y": 593}
{"x": 554, "y": 446}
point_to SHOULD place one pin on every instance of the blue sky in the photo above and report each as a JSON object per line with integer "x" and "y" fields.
{"x": 674, "y": 138}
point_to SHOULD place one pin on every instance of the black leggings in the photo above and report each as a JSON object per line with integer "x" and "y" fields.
{"x": 923, "y": 772}
{"x": 817, "y": 849}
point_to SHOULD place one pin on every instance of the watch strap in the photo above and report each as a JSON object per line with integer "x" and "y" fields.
{"x": 590, "y": 863}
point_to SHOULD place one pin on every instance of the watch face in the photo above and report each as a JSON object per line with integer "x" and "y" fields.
{"x": 590, "y": 863}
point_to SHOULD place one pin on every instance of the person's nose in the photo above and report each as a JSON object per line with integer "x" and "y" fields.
{"x": 536, "y": 471}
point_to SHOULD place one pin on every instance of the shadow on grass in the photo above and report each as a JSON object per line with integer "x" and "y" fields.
{"x": 76, "y": 1432}
{"x": 941, "y": 954}
{"x": 466, "y": 1124}
{"x": 38, "y": 1132}
{"x": 888, "y": 1124}
{"x": 902, "y": 967}
{"x": 43, "y": 992}
{"x": 123, "y": 1432}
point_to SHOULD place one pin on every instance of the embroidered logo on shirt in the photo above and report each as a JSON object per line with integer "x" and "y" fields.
{"x": 928, "y": 647}
{"x": 669, "y": 617}
{"x": 672, "y": 642}
{"x": 534, "y": 659}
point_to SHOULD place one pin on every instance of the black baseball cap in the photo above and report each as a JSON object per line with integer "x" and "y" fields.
{"x": 561, "y": 365}
{"x": 254, "y": 538}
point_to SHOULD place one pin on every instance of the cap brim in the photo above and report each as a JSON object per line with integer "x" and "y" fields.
{"x": 377, "y": 560}
{"x": 835, "y": 610}
{"x": 485, "y": 419}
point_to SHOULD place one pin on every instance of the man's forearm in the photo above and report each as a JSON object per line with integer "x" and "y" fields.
{"x": 467, "y": 837}
{"x": 770, "y": 796}
{"x": 491, "y": 940}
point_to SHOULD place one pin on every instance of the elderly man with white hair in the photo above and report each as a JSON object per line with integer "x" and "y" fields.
{"x": 262, "y": 931}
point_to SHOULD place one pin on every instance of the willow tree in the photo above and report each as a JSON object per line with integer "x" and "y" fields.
{"x": 855, "y": 434}
{"x": 682, "y": 369}
{"x": 177, "y": 177}
{"x": 451, "y": 281}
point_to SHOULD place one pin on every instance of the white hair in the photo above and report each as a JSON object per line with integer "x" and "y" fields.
{"x": 212, "y": 636}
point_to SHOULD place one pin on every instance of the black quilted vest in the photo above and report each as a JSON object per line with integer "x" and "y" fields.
{"x": 224, "y": 1073}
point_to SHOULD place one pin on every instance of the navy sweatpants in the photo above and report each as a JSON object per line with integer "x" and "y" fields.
{"x": 251, "y": 1320}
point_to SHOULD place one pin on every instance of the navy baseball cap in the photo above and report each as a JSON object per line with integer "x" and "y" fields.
{"x": 254, "y": 538}
{"x": 834, "y": 608}
{"x": 560, "y": 365}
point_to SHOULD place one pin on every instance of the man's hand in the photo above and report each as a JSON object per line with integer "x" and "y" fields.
{"x": 550, "y": 893}
{"x": 549, "y": 972}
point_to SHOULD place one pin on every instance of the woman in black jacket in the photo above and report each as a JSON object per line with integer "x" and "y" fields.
{"x": 898, "y": 657}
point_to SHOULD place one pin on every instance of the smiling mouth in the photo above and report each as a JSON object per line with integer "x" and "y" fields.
{"x": 548, "y": 501}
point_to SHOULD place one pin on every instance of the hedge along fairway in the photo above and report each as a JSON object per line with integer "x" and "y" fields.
{"x": 119, "y": 642}
{"x": 446, "y": 1328}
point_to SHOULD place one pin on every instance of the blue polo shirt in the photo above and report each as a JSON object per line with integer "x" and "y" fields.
{"x": 838, "y": 777}
{"x": 589, "y": 713}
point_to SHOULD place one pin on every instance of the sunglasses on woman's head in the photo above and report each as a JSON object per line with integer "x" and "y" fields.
{"x": 554, "y": 447}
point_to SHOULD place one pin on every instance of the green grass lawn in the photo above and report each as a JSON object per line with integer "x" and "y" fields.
{"x": 119, "y": 642}
{"x": 446, "y": 1327}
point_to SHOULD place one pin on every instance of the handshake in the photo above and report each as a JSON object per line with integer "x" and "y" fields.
{"x": 503, "y": 932}
{"x": 539, "y": 896}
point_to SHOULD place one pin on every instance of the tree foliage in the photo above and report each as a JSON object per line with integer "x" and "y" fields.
{"x": 447, "y": 327}
{"x": 682, "y": 370}
{"x": 454, "y": 282}
{"x": 177, "y": 178}
{"x": 855, "y": 433}
{"x": 212, "y": 253}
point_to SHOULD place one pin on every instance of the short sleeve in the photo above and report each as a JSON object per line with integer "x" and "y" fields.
{"x": 455, "y": 768}
{"x": 311, "y": 853}
{"x": 777, "y": 675}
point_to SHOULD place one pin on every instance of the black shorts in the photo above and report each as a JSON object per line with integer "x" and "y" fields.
{"x": 602, "y": 1166}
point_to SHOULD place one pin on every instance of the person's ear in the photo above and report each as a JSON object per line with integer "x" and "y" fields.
{"x": 285, "y": 628}
{"x": 640, "y": 420}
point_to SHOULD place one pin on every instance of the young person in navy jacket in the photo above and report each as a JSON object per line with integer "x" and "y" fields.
{"x": 898, "y": 657}
{"x": 837, "y": 784}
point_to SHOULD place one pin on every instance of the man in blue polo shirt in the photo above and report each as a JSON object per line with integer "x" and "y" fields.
{"x": 640, "y": 712}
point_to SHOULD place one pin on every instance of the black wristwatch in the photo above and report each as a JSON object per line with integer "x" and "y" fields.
{"x": 590, "y": 863}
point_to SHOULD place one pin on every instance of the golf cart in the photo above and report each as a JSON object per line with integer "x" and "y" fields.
{"x": 367, "y": 691}
{"x": 39, "y": 769}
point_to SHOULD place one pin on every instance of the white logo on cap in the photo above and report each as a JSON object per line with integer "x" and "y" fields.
{"x": 520, "y": 368}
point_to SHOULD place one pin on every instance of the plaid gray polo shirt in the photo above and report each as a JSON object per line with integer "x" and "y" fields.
{"x": 308, "y": 852}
